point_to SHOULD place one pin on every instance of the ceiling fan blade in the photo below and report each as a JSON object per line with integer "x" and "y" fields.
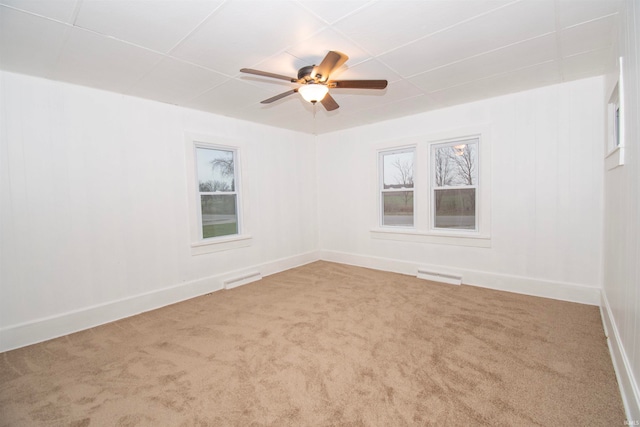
{"x": 329, "y": 103}
{"x": 357, "y": 84}
{"x": 282, "y": 95}
{"x": 329, "y": 64}
{"x": 267, "y": 74}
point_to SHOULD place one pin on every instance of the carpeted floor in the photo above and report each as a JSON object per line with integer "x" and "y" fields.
{"x": 325, "y": 345}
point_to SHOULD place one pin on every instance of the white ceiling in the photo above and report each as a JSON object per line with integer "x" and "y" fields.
{"x": 434, "y": 53}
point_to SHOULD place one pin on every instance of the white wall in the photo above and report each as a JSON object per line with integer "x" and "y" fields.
{"x": 546, "y": 202}
{"x": 94, "y": 218}
{"x": 621, "y": 296}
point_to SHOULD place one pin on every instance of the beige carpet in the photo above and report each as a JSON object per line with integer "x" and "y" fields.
{"x": 325, "y": 345}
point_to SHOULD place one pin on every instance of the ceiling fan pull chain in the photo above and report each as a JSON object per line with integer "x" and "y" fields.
{"x": 315, "y": 130}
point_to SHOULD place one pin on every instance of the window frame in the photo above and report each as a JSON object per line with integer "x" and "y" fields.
{"x": 198, "y": 244}
{"x": 615, "y": 141}
{"x": 382, "y": 190}
{"x": 423, "y": 232}
{"x": 433, "y": 146}
{"x": 235, "y": 192}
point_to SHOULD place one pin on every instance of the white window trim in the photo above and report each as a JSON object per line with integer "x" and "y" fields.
{"x": 422, "y": 231}
{"x": 381, "y": 190}
{"x": 198, "y": 245}
{"x": 614, "y": 156}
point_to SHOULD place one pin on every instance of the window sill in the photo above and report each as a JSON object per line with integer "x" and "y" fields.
{"x": 615, "y": 158}
{"x": 475, "y": 240}
{"x": 221, "y": 244}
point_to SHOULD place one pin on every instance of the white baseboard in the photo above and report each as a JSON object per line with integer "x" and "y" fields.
{"x": 504, "y": 282}
{"x": 38, "y": 330}
{"x": 628, "y": 385}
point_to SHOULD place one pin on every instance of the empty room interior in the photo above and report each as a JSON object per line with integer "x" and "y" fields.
{"x": 310, "y": 213}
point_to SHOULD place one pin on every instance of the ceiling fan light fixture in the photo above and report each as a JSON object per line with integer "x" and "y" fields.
{"x": 313, "y": 92}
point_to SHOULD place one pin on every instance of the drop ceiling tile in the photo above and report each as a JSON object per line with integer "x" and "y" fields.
{"x": 592, "y": 35}
{"x": 544, "y": 74}
{"x": 282, "y": 63}
{"x": 60, "y": 10}
{"x": 510, "y": 58}
{"x": 572, "y": 12}
{"x": 312, "y": 50}
{"x": 293, "y": 114}
{"x": 228, "y": 97}
{"x": 174, "y": 81}
{"x": 241, "y": 34}
{"x": 405, "y": 107}
{"x": 90, "y": 59}
{"x": 333, "y": 11}
{"x": 386, "y": 25}
{"x": 160, "y": 28}
{"x": 502, "y": 27}
{"x": 370, "y": 70}
{"x": 29, "y": 44}
{"x": 588, "y": 64}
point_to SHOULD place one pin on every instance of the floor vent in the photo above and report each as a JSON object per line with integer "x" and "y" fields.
{"x": 451, "y": 279}
{"x": 241, "y": 280}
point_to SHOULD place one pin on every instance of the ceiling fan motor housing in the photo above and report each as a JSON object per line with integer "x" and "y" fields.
{"x": 304, "y": 73}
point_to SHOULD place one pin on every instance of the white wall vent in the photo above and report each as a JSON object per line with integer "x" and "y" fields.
{"x": 234, "y": 282}
{"x": 451, "y": 279}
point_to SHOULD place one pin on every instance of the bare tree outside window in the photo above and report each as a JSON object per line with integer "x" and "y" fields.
{"x": 213, "y": 186}
{"x": 404, "y": 168}
{"x": 218, "y": 197}
{"x": 443, "y": 167}
{"x": 226, "y": 168}
{"x": 397, "y": 187}
{"x": 455, "y": 175}
{"x": 465, "y": 159}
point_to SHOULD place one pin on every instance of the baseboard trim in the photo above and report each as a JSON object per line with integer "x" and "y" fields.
{"x": 504, "y": 282}
{"x": 43, "y": 329}
{"x": 629, "y": 389}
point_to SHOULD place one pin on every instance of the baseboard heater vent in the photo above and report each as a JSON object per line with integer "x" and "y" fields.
{"x": 451, "y": 279}
{"x": 242, "y": 280}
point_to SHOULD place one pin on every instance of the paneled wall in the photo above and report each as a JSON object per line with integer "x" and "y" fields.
{"x": 546, "y": 192}
{"x": 621, "y": 297}
{"x": 94, "y": 191}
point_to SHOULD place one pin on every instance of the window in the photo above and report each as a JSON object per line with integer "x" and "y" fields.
{"x": 396, "y": 187}
{"x": 615, "y": 125}
{"x": 216, "y": 169}
{"x": 218, "y": 198}
{"x": 454, "y": 185}
{"x": 436, "y": 188}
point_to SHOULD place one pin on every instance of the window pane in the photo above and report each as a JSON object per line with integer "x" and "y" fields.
{"x": 398, "y": 170}
{"x": 456, "y": 208}
{"x": 398, "y": 208}
{"x": 219, "y": 215}
{"x": 215, "y": 170}
{"x": 456, "y": 164}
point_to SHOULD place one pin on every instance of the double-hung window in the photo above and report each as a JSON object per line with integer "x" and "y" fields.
{"x": 218, "y": 192}
{"x": 454, "y": 185}
{"x": 218, "y": 198}
{"x": 396, "y": 187}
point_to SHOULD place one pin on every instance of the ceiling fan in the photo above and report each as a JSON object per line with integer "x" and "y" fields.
{"x": 315, "y": 83}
